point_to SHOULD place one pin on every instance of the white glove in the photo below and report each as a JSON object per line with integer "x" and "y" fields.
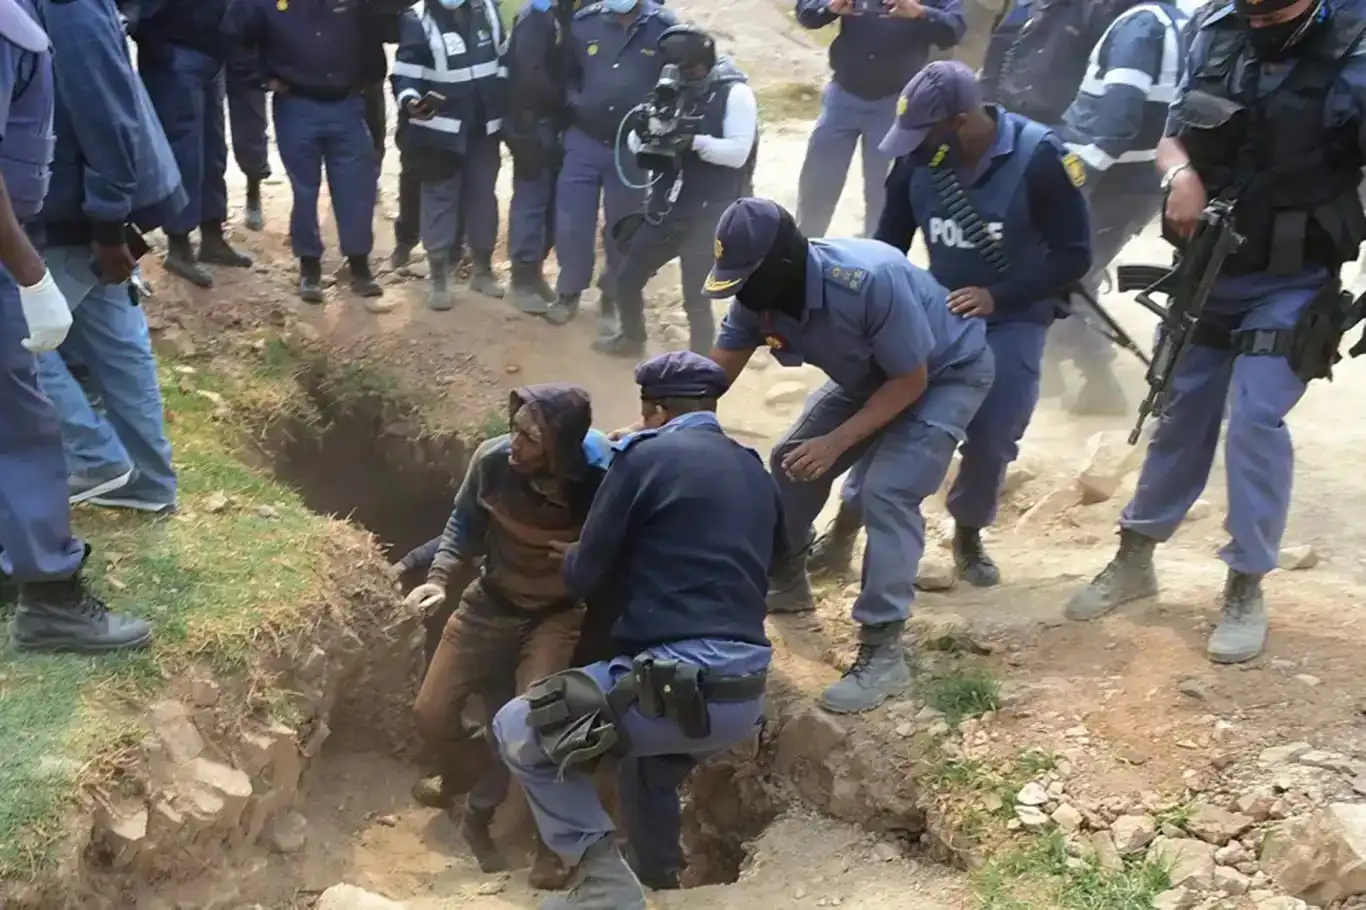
{"x": 47, "y": 315}
{"x": 425, "y": 598}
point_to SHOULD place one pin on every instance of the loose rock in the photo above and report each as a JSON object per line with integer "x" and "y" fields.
{"x": 1231, "y": 881}
{"x": 1191, "y": 861}
{"x": 1031, "y": 817}
{"x": 349, "y": 897}
{"x": 1053, "y": 504}
{"x": 935, "y": 573}
{"x": 1175, "y": 899}
{"x": 1132, "y": 833}
{"x": 1279, "y": 755}
{"x": 1299, "y": 557}
{"x": 1067, "y": 818}
{"x": 1217, "y": 826}
{"x": 1032, "y": 794}
{"x": 1109, "y": 459}
{"x": 288, "y": 833}
{"x": 1256, "y": 803}
{"x": 1107, "y": 856}
{"x": 1199, "y": 510}
{"x": 1321, "y": 858}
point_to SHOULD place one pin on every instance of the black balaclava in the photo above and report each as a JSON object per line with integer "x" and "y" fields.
{"x": 779, "y": 283}
{"x": 1283, "y": 39}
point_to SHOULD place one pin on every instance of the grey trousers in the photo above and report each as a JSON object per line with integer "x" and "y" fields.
{"x": 471, "y": 192}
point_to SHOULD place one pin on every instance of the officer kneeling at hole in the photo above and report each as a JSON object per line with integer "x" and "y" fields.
{"x": 1269, "y": 118}
{"x": 681, "y": 536}
{"x": 689, "y": 192}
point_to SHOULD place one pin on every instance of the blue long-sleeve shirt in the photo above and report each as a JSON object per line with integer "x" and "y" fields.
{"x": 317, "y": 51}
{"x": 196, "y": 24}
{"x": 1059, "y": 216}
{"x": 874, "y": 56}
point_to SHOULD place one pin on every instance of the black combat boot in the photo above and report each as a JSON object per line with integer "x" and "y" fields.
{"x": 402, "y": 255}
{"x": 527, "y": 285}
{"x": 482, "y": 279}
{"x": 310, "y": 279}
{"x": 1241, "y": 633}
{"x": 182, "y": 261}
{"x": 363, "y": 281}
{"x": 64, "y": 616}
{"x": 833, "y": 551}
{"x": 215, "y": 249}
{"x": 971, "y": 559}
{"x": 619, "y": 345}
{"x": 439, "y": 269}
{"x": 1130, "y": 576}
{"x": 608, "y": 323}
{"x": 879, "y": 672}
{"x": 474, "y": 830}
{"x": 254, "y": 218}
{"x": 563, "y": 310}
{"x": 602, "y": 881}
{"x": 789, "y": 587}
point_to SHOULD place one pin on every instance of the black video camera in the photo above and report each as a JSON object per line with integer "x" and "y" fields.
{"x": 667, "y": 124}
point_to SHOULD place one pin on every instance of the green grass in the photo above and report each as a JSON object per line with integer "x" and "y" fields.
{"x": 1039, "y": 873}
{"x": 214, "y": 581}
{"x": 964, "y": 693}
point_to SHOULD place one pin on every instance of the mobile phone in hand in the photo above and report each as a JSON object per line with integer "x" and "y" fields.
{"x": 432, "y": 100}
{"x": 869, "y": 7}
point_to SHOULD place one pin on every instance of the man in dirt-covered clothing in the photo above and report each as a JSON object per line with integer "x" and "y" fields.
{"x": 523, "y": 493}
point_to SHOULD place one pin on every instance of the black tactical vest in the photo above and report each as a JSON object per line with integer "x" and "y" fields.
{"x": 1294, "y": 180}
{"x": 707, "y": 185}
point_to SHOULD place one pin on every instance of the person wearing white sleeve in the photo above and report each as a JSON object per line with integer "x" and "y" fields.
{"x": 688, "y": 193}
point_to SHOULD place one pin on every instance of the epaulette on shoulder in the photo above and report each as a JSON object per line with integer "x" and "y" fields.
{"x": 591, "y": 9}
{"x": 632, "y": 439}
{"x": 852, "y": 279}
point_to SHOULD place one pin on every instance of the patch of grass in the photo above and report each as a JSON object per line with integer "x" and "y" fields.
{"x": 1040, "y": 873}
{"x": 788, "y": 101}
{"x": 1179, "y": 816}
{"x": 972, "y": 781}
{"x": 242, "y": 562}
{"x": 964, "y": 693}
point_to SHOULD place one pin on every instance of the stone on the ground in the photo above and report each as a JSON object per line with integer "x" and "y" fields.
{"x": 786, "y": 392}
{"x": 935, "y": 573}
{"x": 1321, "y": 858}
{"x": 1031, "y": 817}
{"x": 1303, "y": 556}
{"x": 1132, "y": 833}
{"x": 1231, "y": 855}
{"x": 812, "y": 734}
{"x": 1199, "y": 510}
{"x": 1328, "y": 761}
{"x": 1067, "y": 818}
{"x": 122, "y": 833}
{"x": 1256, "y": 803}
{"x": 1032, "y": 794}
{"x": 1017, "y": 475}
{"x": 1190, "y": 861}
{"x": 1053, "y": 504}
{"x": 1109, "y": 459}
{"x": 349, "y": 897}
{"x": 1215, "y": 825}
{"x": 1279, "y": 755}
{"x": 1230, "y": 881}
{"x": 220, "y": 792}
{"x": 288, "y": 833}
{"x": 1282, "y": 902}
{"x": 1107, "y": 855}
{"x": 176, "y": 733}
{"x": 1359, "y": 784}
{"x": 1175, "y": 899}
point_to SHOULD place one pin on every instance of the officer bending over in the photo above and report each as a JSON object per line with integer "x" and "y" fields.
{"x": 905, "y": 378}
{"x": 1270, "y": 116}
{"x": 680, "y": 540}
{"x": 999, "y": 202}
{"x": 524, "y": 493}
{"x": 684, "y": 206}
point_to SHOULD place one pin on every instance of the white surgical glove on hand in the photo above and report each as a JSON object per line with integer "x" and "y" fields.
{"x": 425, "y": 599}
{"x": 47, "y": 315}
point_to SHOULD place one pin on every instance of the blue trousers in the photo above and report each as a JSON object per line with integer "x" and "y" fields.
{"x": 109, "y": 336}
{"x": 531, "y": 218}
{"x": 35, "y": 520}
{"x": 588, "y": 178}
{"x": 187, "y": 90}
{"x": 993, "y": 437}
{"x": 1116, "y": 218}
{"x": 1259, "y": 457}
{"x": 568, "y": 812}
{"x": 312, "y": 135}
{"x": 846, "y": 120}
{"x": 247, "y": 120}
{"x": 890, "y": 475}
{"x": 647, "y": 794}
{"x": 467, "y": 197}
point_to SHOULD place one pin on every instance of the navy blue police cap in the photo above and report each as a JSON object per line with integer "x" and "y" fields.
{"x": 681, "y": 374}
{"x": 744, "y": 236}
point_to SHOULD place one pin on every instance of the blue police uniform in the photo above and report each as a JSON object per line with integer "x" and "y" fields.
{"x": 35, "y": 520}
{"x": 456, "y": 53}
{"x": 314, "y": 48}
{"x": 1315, "y": 101}
{"x": 680, "y": 539}
{"x": 1003, "y": 37}
{"x": 1114, "y": 125}
{"x": 871, "y": 60}
{"x": 613, "y": 65}
{"x": 1014, "y": 225}
{"x": 247, "y": 122}
{"x": 1041, "y": 69}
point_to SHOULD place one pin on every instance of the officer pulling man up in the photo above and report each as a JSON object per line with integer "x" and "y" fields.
{"x": 690, "y": 191}
{"x": 905, "y": 378}
{"x": 999, "y": 201}
{"x": 679, "y": 541}
{"x": 1269, "y": 118}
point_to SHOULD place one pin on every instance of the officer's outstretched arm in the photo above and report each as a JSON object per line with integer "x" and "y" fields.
{"x": 612, "y": 519}
{"x": 732, "y": 361}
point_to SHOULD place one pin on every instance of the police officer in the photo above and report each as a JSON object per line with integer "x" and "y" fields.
{"x": 1269, "y": 118}
{"x": 881, "y": 44}
{"x": 688, "y": 197}
{"x": 999, "y": 201}
{"x": 535, "y": 122}
{"x": 905, "y": 377}
{"x": 613, "y": 63}
{"x": 679, "y": 541}
{"x": 250, "y": 148}
{"x": 455, "y": 102}
{"x": 310, "y": 56}
{"x": 56, "y": 611}
{"x": 180, "y": 59}
{"x": 1004, "y": 33}
{"x": 1114, "y": 126}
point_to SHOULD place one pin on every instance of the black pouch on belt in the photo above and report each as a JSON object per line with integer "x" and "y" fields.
{"x": 672, "y": 689}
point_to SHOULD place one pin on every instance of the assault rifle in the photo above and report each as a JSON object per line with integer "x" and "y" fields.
{"x": 1187, "y": 287}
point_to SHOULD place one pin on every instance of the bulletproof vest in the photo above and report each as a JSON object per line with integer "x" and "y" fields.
{"x": 1001, "y": 201}
{"x": 1044, "y": 66}
{"x": 706, "y": 184}
{"x": 26, "y": 153}
{"x": 467, "y": 44}
{"x": 1293, "y": 178}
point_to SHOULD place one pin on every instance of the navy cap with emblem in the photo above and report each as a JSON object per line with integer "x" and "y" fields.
{"x": 681, "y": 374}
{"x": 744, "y": 235}
{"x": 943, "y": 89}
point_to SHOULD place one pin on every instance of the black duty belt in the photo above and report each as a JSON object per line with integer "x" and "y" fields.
{"x": 681, "y": 691}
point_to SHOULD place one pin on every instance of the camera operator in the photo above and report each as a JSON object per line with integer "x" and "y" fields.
{"x": 697, "y": 140}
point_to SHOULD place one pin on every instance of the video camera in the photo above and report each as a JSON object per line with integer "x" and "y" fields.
{"x": 667, "y": 123}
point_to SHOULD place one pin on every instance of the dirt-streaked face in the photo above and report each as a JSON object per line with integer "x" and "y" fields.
{"x": 529, "y": 453}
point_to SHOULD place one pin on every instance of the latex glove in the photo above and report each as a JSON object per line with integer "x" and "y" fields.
{"x": 425, "y": 598}
{"x": 47, "y": 314}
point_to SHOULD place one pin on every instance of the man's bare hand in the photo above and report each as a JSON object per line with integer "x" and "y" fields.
{"x": 813, "y": 459}
{"x": 116, "y": 263}
{"x": 971, "y": 302}
{"x": 904, "y": 9}
{"x": 1186, "y": 200}
{"x": 621, "y": 432}
{"x": 559, "y": 549}
{"x": 840, "y": 7}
